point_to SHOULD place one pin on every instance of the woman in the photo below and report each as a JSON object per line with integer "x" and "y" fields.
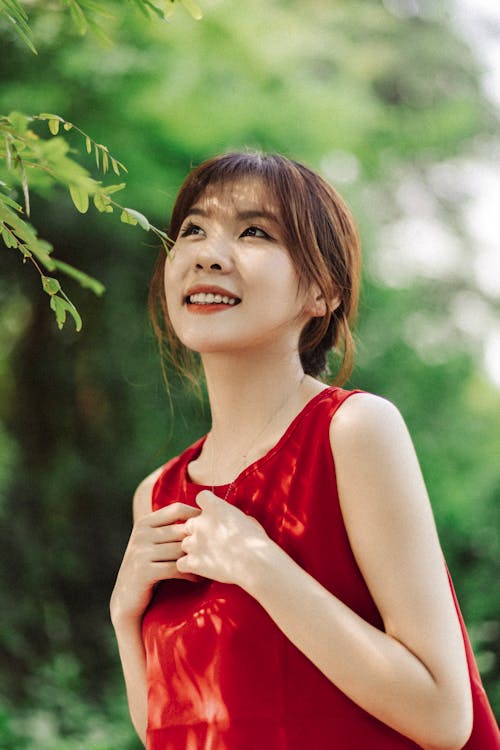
{"x": 284, "y": 587}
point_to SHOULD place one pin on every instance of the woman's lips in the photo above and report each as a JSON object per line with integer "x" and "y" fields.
{"x": 204, "y": 299}
{"x": 208, "y": 309}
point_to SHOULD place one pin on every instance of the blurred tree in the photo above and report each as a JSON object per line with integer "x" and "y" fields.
{"x": 367, "y": 96}
{"x": 31, "y": 162}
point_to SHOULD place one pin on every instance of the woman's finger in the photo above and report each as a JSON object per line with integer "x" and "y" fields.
{"x": 172, "y": 533}
{"x": 172, "y": 514}
{"x": 187, "y": 543}
{"x": 167, "y": 551}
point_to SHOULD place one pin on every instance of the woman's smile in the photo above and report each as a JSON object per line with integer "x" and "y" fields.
{"x": 205, "y": 299}
{"x": 230, "y": 262}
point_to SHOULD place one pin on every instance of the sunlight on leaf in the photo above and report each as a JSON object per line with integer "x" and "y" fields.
{"x": 138, "y": 217}
{"x": 80, "y": 198}
{"x": 193, "y": 9}
{"x": 54, "y": 126}
{"x": 50, "y": 285}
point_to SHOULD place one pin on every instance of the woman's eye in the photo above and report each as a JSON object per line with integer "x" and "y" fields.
{"x": 255, "y": 232}
{"x": 191, "y": 228}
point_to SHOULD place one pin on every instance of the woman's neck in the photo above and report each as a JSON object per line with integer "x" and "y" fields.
{"x": 252, "y": 401}
{"x": 245, "y": 393}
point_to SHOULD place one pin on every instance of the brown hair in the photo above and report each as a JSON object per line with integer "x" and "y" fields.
{"x": 320, "y": 235}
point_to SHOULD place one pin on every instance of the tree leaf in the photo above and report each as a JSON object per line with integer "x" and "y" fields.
{"x": 8, "y": 152}
{"x": 80, "y": 198}
{"x": 126, "y": 218}
{"x": 8, "y": 237}
{"x": 193, "y": 9}
{"x": 9, "y": 202}
{"x": 103, "y": 203}
{"x": 60, "y": 306}
{"x": 15, "y": 13}
{"x": 88, "y": 144}
{"x": 139, "y": 218}
{"x": 78, "y": 17}
{"x": 54, "y": 126}
{"x": 24, "y": 183}
{"x": 110, "y": 189}
{"x": 67, "y": 126}
{"x": 59, "y": 309}
{"x": 50, "y": 285}
{"x": 86, "y": 281}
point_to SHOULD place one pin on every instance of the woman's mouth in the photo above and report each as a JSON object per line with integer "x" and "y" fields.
{"x": 209, "y": 298}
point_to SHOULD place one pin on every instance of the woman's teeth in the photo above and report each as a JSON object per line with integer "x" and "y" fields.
{"x": 202, "y": 298}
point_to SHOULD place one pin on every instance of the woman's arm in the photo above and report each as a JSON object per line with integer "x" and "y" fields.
{"x": 151, "y": 555}
{"x": 414, "y": 675}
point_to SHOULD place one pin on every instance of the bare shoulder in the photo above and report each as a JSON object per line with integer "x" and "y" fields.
{"x": 364, "y": 420}
{"x": 142, "y": 495}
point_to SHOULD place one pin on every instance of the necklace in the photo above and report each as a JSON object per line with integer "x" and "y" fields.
{"x": 244, "y": 455}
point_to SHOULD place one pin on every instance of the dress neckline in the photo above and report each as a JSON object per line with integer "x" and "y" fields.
{"x": 195, "y": 450}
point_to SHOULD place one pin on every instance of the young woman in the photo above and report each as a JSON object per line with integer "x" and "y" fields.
{"x": 284, "y": 587}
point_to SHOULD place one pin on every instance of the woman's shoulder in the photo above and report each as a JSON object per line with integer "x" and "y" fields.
{"x": 365, "y": 419}
{"x": 143, "y": 493}
{"x": 170, "y": 472}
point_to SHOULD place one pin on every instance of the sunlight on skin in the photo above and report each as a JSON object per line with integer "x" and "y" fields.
{"x": 248, "y": 267}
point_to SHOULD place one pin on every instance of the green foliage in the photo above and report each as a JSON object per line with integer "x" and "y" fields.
{"x": 24, "y": 150}
{"x": 50, "y": 164}
{"x": 91, "y": 15}
{"x": 60, "y": 716}
{"x": 14, "y": 12}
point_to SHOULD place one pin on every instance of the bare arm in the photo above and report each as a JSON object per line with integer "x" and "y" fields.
{"x": 414, "y": 675}
{"x": 151, "y": 555}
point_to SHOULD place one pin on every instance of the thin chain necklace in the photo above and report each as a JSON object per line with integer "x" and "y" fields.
{"x": 244, "y": 455}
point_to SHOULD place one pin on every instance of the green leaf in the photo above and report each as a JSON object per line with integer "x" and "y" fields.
{"x": 127, "y": 218}
{"x": 67, "y": 126}
{"x": 8, "y": 151}
{"x": 61, "y": 307}
{"x": 80, "y": 198}
{"x": 8, "y": 237}
{"x": 103, "y": 203}
{"x": 15, "y": 13}
{"x": 110, "y": 189}
{"x": 139, "y": 218}
{"x": 88, "y": 144}
{"x": 50, "y": 285}
{"x": 9, "y": 202}
{"x": 24, "y": 183}
{"x": 19, "y": 122}
{"x": 54, "y": 126}
{"x": 193, "y": 9}
{"x": 114, "y": 165}
{"x": 86, "y": 281}
{"x": 78, "y": 17}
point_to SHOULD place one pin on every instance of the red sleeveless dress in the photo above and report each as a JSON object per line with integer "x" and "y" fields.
{"x": 220, "y": 673}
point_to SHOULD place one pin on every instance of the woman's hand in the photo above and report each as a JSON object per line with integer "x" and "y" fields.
{"x": 151, "y": 555}
{"x": 221, "y": 543}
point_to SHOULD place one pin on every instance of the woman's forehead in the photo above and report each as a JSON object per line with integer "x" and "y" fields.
{"x": 239, "y": 196}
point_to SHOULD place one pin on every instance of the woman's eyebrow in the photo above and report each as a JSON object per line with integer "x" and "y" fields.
{"x": 257, "y": 214}
{"x": 241, "y": 215}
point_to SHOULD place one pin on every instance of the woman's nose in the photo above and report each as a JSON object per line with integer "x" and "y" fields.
{"x": 213, "y": 266}
{"x": 213, "y": 255}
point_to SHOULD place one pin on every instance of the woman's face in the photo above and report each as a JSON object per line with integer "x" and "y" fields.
{"x": 230, "y": 283}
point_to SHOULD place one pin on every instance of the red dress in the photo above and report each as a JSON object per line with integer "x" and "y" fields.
{"x": 221, "y": 675}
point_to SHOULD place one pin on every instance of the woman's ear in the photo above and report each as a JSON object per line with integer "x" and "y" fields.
{"x": 316, "y": 305}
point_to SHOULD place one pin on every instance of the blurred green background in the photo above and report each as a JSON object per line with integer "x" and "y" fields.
{"x": 393, "y": 102}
